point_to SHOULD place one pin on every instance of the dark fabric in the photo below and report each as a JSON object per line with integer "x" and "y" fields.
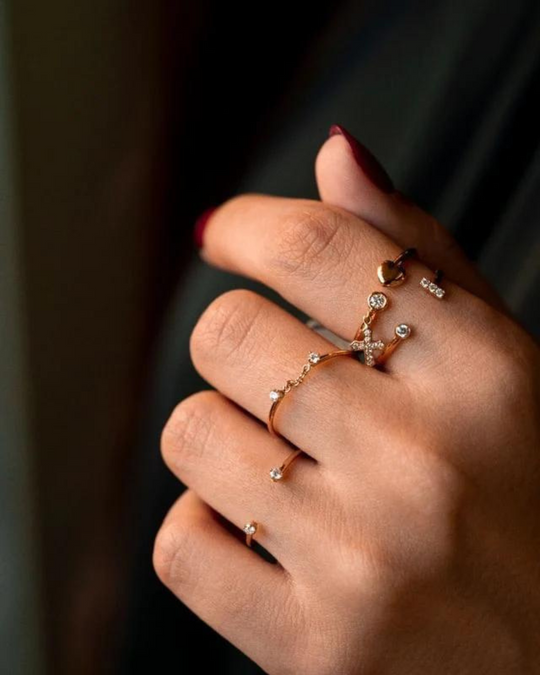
{"x": 445, "y": 94}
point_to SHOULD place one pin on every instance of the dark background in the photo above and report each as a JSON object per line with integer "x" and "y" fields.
{"x": 119, "y": 123}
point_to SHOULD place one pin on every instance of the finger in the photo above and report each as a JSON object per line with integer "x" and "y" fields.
{"x": 225, "y": 457}
{"x": 324, "y": 260}
{"x": 350, "y": 177}
{"x": 226, "y": 584}
{"x": 245, "y": 346}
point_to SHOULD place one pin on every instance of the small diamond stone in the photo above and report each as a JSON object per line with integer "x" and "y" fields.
{"x": 276, "y": 473}
{"x": 377, "y": 301}
{"x": 439, "y": 293}
{"x": 314, "y": 358}
{"x": 432, "y": 287}
{"x": 275, "y": 395}
{"x": 424, "y": 283}
{"x": 250, "y": 528}
{"x": 403, "y": 331}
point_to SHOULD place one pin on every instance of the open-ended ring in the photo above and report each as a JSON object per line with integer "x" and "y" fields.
{"x": 277, "y": 395}
{"x": 402, "y": 332}
{"x": 250, "y": 529}
{"x": 277, "y": 473}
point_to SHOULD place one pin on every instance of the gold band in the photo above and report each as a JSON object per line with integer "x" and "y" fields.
{"x": 277, "y": 395}
{"x": 250, "y": 529}
{"x": 277, "y": 473}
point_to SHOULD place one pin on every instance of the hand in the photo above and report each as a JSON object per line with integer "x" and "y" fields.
{"x": 408, "y": 534}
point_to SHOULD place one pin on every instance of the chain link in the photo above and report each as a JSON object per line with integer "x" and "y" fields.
{"x": 290, "y": 384}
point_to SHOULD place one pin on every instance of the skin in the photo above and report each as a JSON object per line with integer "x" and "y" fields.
{"x": 407, "y": 537}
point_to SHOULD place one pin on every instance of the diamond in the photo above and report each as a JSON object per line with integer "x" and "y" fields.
{"x": 356, "y": 345}
{"x": 314, "y": 358}
{"x": 250, "y": 528}
{"x": 275, "y": 395}
{"x": 377, "y": 301}
{"x": 432, "y": 287}
{"x": 403, "y": 331}
{"x": 276, "y": 473}
{"x": 424, "y": 283}
{"x": 439, "y": 293}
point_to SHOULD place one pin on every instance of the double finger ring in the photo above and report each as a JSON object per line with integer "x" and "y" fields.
{"x": 375, "y": 352}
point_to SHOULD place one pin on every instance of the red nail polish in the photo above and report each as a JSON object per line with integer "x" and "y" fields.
{"x": 365, "y": 160}
{"x": 200, "y": 226}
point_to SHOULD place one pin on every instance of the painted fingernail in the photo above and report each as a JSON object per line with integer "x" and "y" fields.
{"x": 200, "y": 226}
{"x": 367, "y": 162}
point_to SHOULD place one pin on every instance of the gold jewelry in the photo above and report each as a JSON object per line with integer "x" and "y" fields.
{"x": 402, "y": 332}
{"x": 433, "y": 287}
{"x": 392, "y": 272}
{"x": 277, "y": 395}
{"x": 278, "y": 472}
{"x": 363, "y": 341}
{"x": 250, "y": 529}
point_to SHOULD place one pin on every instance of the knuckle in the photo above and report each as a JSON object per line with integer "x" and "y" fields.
{"x": 174, "y": 556}
{"x": 323, "y": 653}
{"x": 434, "y": 496}
{"x": 225, "y": 327}
{"x": 188, "y": 430}
{"x": 515, "y": 356}
{"x": 308, "y": 241}
{"x": 318, "y": 661}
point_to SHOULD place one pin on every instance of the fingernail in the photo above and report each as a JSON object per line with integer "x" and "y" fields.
{"x": 367, "y": 162}
{"x": 200, "y": 226}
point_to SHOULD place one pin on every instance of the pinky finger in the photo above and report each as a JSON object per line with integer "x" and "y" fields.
{"x": 229, "y": 586}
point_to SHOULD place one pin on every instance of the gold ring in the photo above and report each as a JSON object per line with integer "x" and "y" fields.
{"x": 250, "y": 529}
{"x": 277, "y": 473}
{"x": 433, "y": 287}
{"x": 277, "y": 395}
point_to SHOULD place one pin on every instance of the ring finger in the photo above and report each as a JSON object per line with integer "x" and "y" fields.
{"x": 246, "y": 346}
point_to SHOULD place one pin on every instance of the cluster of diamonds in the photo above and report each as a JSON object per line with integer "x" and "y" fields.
{"x": 376, "y": 303}
{"x": 368, "y": 346}
{"x": 431, "y": 287}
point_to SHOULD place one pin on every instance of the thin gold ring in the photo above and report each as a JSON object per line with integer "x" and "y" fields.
{"x": 250, "y": 530}
{"x": 277, "y": 473}
{"x": 277, "y": 395}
